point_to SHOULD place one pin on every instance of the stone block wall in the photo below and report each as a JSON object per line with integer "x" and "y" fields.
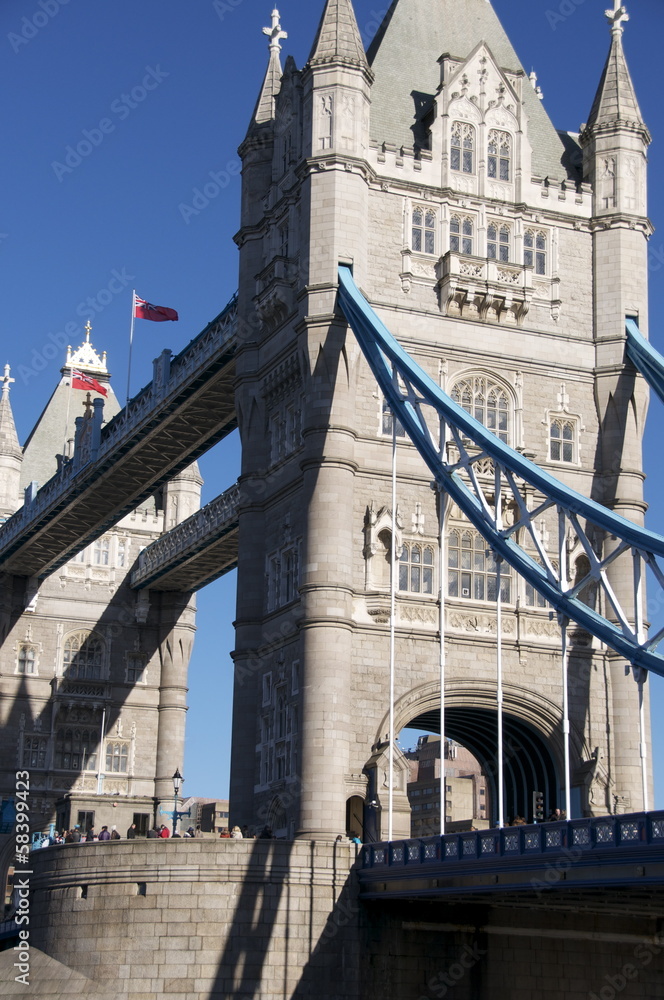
{"x": 195, "y": 918}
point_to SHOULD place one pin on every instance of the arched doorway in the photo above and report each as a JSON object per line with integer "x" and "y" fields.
{"x": 355, "y": 817}
{"x": 529, "y": 766}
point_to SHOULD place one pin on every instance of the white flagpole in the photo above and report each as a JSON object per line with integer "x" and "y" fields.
{"x": 393, "y": 611}
{"x": 131, "y": 339}
{"x": 64, "y": 447}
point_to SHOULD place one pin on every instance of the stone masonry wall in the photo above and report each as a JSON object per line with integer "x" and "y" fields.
{"x": 197, "y": 918}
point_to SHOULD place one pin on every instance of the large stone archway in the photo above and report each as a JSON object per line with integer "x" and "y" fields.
{"x": 533, "y": 746}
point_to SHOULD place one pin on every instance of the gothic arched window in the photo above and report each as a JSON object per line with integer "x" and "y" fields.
{"x": 499, "y": 159}
{"x": 462, "y": 231}
{"x": 535, "y": 250}
{"x": 424, "y": 230}
{"x": 498, "y": 242}
{"x": 562, "y": 440}
{"x": 462, "y": 148}
{"x": 472, "y": 569}
{"x": 487, "y": 401}
{"x": 83, "y": 656}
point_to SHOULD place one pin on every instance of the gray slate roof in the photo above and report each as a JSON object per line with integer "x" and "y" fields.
{"x": 404, "y": 57}
{"x": 55, "y": 425}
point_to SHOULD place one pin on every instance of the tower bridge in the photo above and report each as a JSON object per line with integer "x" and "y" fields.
{"x": 427, "y": 288}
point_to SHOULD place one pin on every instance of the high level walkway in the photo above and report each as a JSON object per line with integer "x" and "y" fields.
{"x": 187, "y": 408}
{"x": 195, "y": 552}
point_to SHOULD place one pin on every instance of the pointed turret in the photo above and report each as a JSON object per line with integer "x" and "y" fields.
{"x": 338, "y": 38}
{"x": 264, "y": 111}
{"x": 11, "y": 455}
{"x": 615, "y": 101}
{"x": 52, "y": 437}
{"x": 615, "y": 145}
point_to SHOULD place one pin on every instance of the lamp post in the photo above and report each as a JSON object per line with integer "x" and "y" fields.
{"x": 177, "y": 782}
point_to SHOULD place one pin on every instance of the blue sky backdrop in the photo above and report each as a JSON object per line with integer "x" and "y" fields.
{"x": 157, "y": 96}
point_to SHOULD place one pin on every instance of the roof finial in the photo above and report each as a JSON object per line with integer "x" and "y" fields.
{"x": 275, "y": 33}
{"x": 616, "y": 17}
{"x": 88, "y": 331}
{"x": 6, "y": 382}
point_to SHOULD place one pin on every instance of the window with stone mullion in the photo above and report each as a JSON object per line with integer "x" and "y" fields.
{"x": 472, "y": 569}
{"x": 416, "y": 569}
{"x": 498, "y": 243}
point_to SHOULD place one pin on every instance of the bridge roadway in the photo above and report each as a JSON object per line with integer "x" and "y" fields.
{"x": 195, "y": 552}
{"x": 187, "y": 408}
{"x": 604, "y": 864}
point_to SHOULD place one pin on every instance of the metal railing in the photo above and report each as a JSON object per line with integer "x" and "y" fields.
{"x": 512, "y": 842}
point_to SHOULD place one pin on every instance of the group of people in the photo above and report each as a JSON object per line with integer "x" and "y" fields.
{"x": 76, "y": 836}
{"x": 242, "y": 833}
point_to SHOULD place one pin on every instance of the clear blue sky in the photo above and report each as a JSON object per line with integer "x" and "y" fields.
{"x": 68, "y": 229}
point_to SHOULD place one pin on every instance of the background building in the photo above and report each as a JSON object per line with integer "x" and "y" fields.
{"x": 466, "y": 800}
{"x": 92, "y": 673}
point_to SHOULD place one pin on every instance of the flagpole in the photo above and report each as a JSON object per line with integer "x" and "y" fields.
{"x": 64, "y": 447}
{"x": 131, "y": 339}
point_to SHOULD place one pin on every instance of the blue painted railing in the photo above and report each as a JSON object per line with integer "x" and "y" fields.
{"x": 636, "y": 830}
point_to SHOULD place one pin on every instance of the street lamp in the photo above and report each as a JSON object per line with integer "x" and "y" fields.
{"x": 177, "y": 782}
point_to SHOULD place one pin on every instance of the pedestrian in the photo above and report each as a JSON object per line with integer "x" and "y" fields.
{"x": 164, "y": 833}
{"x": 153, "y": 833}
{"x": 236, "y": 833}
{"x": 198, "y": 833}
{"x": 90, "y": 835}
{"x": 131, "y": 832}
{"x": 114, "y": 833}
{"x": 266, "y": 833}
{"x": 104, "y": 835}
{"x": 224, "y": 835}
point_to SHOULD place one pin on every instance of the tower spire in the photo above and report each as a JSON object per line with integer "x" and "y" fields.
{"x": 338, "y": 38}
{"x": 11, "y": 455}
{"x": 615, "y": 102}
{"x": 264, "y": 111}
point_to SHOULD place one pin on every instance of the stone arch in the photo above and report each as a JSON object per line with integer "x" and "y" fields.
{"x": 534, "y": 752}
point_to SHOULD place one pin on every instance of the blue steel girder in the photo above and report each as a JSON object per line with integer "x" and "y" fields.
{"x": 408, "y": 390}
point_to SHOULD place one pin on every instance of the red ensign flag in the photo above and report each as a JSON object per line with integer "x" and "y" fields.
{"x": 81, "y": 381}
{"x": 145, "y": 310}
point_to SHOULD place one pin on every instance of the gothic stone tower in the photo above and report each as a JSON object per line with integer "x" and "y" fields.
{"x": 504, "y": 259}
{"x": 93, "y": 675}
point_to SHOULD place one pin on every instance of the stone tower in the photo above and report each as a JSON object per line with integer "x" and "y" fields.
{"x": 93, "y": 675}
{"x": 506, "y": 270}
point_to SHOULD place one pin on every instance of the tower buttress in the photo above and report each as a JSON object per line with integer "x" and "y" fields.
{"x": 615, "y": 142}
{"x": 11, "y": 456}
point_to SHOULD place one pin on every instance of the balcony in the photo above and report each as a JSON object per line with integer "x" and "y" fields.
{"x": 490, "y": 291}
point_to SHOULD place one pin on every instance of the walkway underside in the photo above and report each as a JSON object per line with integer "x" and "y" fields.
{"x": 161, "y": 431}
{"x": 196, "y": 552}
